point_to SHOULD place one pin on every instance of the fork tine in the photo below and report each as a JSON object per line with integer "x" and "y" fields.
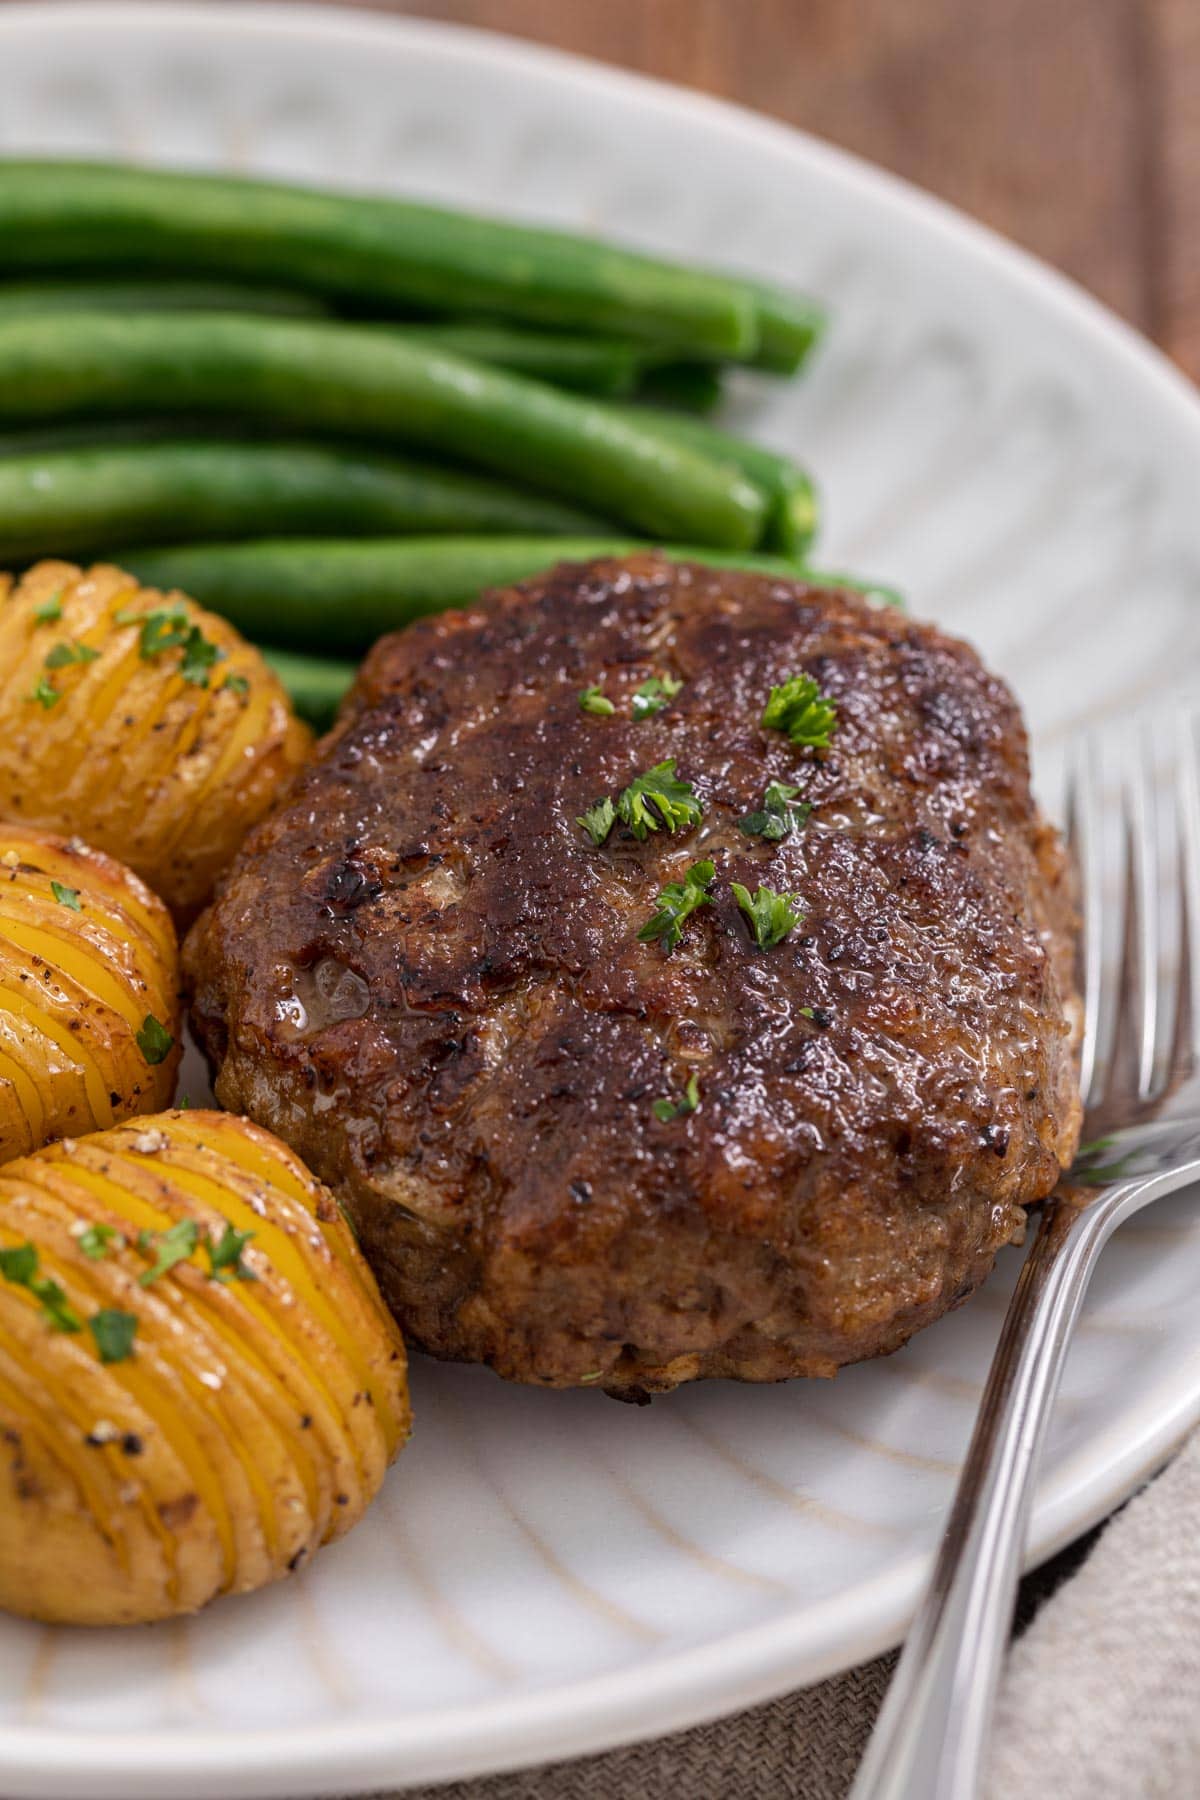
{"x": 1123, "y": 983}
{"x": 1186, "y": 1044}
{"x": 1085, "y": 821}
{"x": 1157, "y": 977}
{"x": 1142, "y": 916}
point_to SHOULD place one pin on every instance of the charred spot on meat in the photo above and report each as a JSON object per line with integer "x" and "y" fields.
{"x": 602, "y": 1114}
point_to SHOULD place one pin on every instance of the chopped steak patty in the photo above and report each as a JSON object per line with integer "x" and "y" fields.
{"x": 425, "y": 976}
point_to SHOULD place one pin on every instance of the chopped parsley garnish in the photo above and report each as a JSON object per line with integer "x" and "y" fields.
{"x": 651, "y": 801}
{"x": 659, "y": 798}
{"x": 170, "y": 628}
{"x": 45, "y": 693}
{"x": 114, "y": 1332}
{"x": 63, "y": 655}
{"x": 66, "y": 896}
{"x": 50, "y": 610}
{"x": 168, "y": 1247}
{"x": 199, "y": 655}
{"x": 649, "y": 699}
{"x": 97, "y": 1240}
{"x": 689, "y": 1100}
{"x": 154, "y": 1040}
{"x": 592, "y": 700}
{"x": 653, "y": 695}
{"x": 54, "y": 1303}
{"x": 676, "y": 901}
{"x": 180, "y": 1242}
{"x": 771, "y": 915}
{"x": 598, "y": 820}
{"x": 780, "y": 815}
{"x": 163, "y": 629}
{"x": 800, "y": 709}
{"x": 20, "y": 1267}
{"x": 225, "y": 1256}
{"x": 237, "y": 684}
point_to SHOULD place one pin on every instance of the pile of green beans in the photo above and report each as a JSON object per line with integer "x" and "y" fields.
{"x": 383, "y": 585}
{"x": 278, "y": 590}
{"x": 354, "y": 381}
{"x": 588, "y": 363}
{"x": 325, "y": 414}
{"x": 83, "y": 500}
{"x": 396, "y": 255}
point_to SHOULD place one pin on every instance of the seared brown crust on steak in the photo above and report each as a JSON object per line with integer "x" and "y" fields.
{"x": 422, "y": 975}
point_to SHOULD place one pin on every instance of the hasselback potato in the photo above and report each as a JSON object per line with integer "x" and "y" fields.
{"x": 146, "y": 725}
{"x": 89, "y": 980}
{"x": 199, "y": 1384}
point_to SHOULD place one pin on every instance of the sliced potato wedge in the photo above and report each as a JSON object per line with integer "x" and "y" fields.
{"x": 89, "y": 992}
{"x": 199, "y": 1383}
{"x": 140, "y": 721}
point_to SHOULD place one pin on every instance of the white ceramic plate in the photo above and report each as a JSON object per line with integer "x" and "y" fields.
{"x": 549, "y": 1574}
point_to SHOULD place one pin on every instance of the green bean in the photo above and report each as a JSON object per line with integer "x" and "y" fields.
{"x": 879, "y": 593}
{"x": 316, "y": 684}
{"x": 354, "y": 381}
{"x": 689, "y": 387}
{"x": 21, "y": 298}
{"x": 790, "y": 327}
{"x": 56, "y": 215}
{"x": 337, "y": 597}
{"x": 793, "y": 513}
{"x": 74, "y": 500}
{"x": 588, "y": 365}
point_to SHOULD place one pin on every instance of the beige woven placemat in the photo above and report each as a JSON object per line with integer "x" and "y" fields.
{"x": 805, "y": 1746}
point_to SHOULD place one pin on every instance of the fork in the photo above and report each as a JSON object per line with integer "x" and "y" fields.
{"x": 1140, "y": 1084}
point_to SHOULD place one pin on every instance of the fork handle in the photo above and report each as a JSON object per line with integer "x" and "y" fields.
{"x": 931, "y": 1733}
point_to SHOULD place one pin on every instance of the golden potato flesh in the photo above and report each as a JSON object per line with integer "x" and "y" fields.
{"x": 89, "y": 992}
{"x": 255, "y": 1388}
{"x": 149, "y": 727}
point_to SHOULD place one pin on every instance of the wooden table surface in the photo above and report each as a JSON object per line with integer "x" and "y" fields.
{"x": 1072, "y": 126}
